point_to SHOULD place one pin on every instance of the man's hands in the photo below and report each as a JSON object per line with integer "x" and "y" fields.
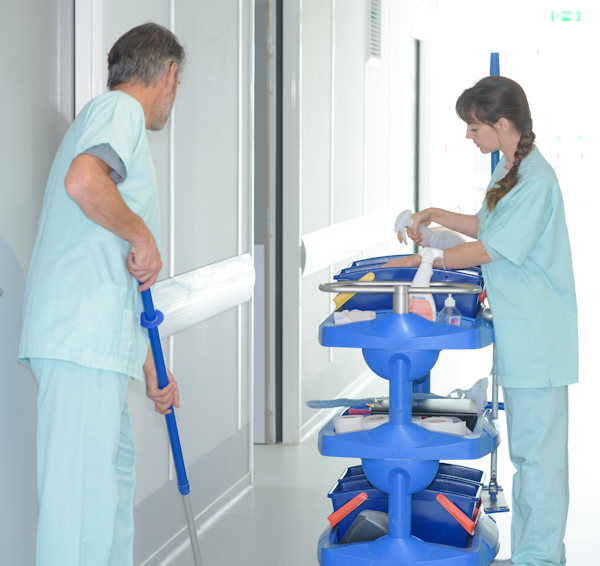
{"x": 163, "y": 398}
{"x": 144, "y": 263}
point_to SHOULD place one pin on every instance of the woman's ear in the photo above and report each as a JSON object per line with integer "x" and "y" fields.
{"x": 503, "y": 125}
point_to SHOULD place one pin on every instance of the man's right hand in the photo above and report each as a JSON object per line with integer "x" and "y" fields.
{"x": 89, "y": 184}
{"x": 144, "y": 263}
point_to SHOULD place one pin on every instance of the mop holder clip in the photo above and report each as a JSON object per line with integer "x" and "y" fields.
{"x": 152, "y": 323}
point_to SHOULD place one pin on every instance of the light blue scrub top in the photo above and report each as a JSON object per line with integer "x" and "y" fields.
{"x": 530, "y": 284}
{"x": 81, "y": 302}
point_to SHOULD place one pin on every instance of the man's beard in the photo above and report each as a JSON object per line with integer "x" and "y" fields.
{"x": 165, "y": 107}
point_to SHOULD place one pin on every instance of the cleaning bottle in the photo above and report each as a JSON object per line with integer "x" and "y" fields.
{"x": 423, "y": 304}
{"x": 439, "y": 237}
{"x": 450, "y": 314}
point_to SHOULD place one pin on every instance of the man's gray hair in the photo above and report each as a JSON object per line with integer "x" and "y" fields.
{"x": 143, "y": 55}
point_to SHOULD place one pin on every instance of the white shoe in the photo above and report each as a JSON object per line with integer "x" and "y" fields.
{"x": 504, "y": 562}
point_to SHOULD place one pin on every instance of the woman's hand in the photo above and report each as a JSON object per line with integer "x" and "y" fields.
{"x": 422, "y": 217}
{"x": 408, "y": 261}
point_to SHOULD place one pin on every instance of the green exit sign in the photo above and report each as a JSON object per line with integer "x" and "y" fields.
{"x": 566, "y": 16}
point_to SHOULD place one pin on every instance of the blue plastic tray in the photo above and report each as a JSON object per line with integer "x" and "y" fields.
{"x": 344, "y": 490}
{"x": 430, "y": 522}
{"x": 466, "y": 304}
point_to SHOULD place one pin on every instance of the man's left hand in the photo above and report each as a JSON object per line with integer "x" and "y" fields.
{"x": 163, "y": 398}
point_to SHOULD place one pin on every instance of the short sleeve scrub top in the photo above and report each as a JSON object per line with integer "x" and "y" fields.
{"x": 81, "y": 302}
{"x": 529, "y": 282}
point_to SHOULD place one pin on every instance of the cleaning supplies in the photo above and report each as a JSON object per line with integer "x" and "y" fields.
{"x": 423, "y": 304}
{"x": 450, "y": 314}
{"x": 440, "y": 237}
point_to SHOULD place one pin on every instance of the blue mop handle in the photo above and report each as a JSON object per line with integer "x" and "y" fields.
{"x": 151, "y": 318}
{"x": 495, "y": 70}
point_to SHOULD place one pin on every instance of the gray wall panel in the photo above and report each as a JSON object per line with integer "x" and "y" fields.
{"x": 37, "y": 46}
{"x": 206, "y": 368}
{"x": 206, "y": 136}
{"x": 316, "y": 114}
{"x": 349, "y": 109}
{"x": 38, "y": 103}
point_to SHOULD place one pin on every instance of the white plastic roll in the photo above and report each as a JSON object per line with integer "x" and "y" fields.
{"x": 347, "y": 423}
{"x": 192, "y": 297}
{"x": 445, "y": 425}
{"x": 373, "y": 421}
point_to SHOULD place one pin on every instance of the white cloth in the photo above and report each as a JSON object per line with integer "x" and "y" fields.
{"x": 347, "y": 317}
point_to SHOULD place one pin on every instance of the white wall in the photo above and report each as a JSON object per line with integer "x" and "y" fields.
{"x": 37, "y": 62}
{"x": 203, "y": 161}
{"x": 355, "y": 130}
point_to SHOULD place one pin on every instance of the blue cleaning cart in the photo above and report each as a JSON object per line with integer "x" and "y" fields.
{"x": 400, "y": 458}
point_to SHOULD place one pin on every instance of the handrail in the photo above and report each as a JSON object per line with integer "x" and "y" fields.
{"x": 400, "y": 290}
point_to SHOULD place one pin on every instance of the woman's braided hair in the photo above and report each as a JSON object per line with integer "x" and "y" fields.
{"x": 489, "y": 100}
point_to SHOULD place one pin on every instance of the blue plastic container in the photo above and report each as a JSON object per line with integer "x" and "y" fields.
{"x": 344, "y": 490}
{"x": 352, "y": 472}
{"x": 432, "y": 523}
{"x": 462, "y": 472}
{"x": 466, "y": 304}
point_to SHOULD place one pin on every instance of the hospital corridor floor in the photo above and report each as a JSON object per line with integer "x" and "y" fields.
{"x": 279, "y": 520}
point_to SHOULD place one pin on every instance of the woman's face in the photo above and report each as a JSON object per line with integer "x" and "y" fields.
{"x": 484, "y": 137}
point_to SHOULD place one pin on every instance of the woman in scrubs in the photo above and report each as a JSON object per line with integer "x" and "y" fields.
{"x": 523, "y": 247}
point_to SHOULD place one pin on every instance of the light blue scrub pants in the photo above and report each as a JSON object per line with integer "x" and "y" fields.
{"x": 537, "y": 422}
{"x": 86, "y": 466}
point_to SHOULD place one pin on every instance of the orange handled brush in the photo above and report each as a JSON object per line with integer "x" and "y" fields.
{"x": 464, "y": 521}
{"x": 346, "y": 509}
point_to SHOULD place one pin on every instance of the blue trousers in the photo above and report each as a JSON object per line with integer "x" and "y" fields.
{"x": 86, "y": 466}
{"x": 537, "y": 422}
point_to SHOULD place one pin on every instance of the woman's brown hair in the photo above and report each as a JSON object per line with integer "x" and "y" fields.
{"x": 489, "y": 100}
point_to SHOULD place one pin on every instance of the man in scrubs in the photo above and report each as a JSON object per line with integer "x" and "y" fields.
{"x": 523, "y": 247}
{"x": 97, "y": 237}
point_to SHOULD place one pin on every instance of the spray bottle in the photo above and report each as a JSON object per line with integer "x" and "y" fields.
{"x": 423, "y": 304}
{"x": 440, "y": 237}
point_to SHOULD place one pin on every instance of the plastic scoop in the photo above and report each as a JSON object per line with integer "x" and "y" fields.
{"x": 346, "y": 509}
{"x": 463, "y": 520}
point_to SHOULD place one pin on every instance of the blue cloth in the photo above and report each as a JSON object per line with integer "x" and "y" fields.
{"x": 86, "y": 466}
{"x": 530, "y": 284}
{"x": 81, "y": 303}
{"x": 537, "y": 423}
